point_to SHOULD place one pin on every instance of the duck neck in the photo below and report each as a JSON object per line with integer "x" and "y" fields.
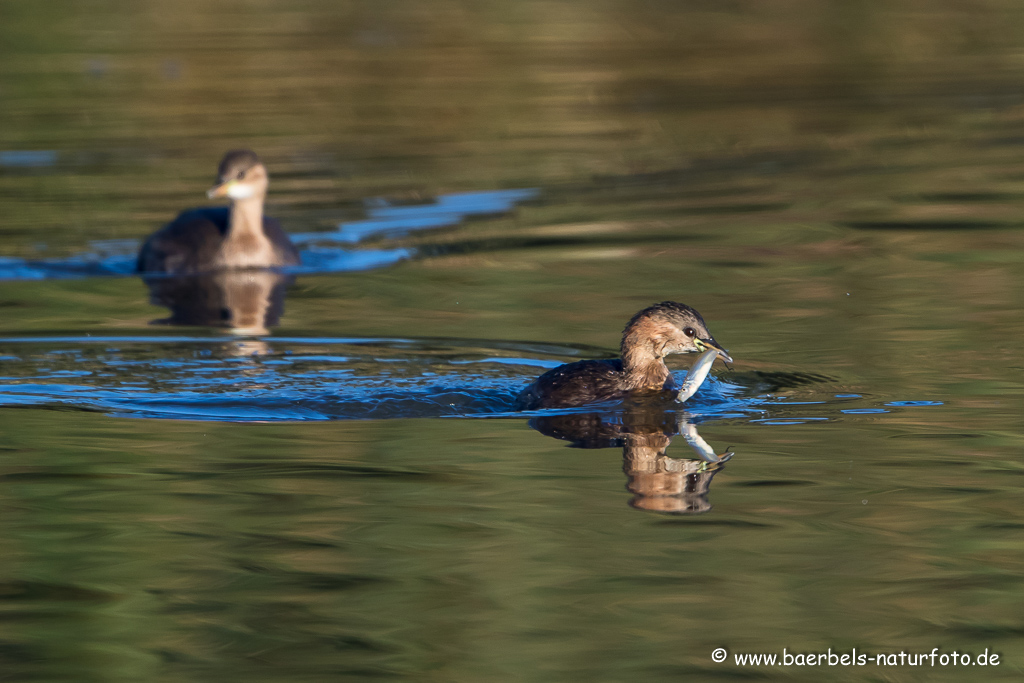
{"x": 246, "y": 245}
{"x": 246, "y": 219}
{"x": 644, "y": 367}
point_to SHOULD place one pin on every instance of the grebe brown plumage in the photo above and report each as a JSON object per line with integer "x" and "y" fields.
{"x": 651, "y": 334}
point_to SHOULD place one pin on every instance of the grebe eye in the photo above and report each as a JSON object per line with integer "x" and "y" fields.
{"x": 690, "y": 332}
{"x": 241, "y": 174}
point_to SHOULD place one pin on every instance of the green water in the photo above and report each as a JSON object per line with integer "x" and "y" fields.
{"x": 835, "y": 186}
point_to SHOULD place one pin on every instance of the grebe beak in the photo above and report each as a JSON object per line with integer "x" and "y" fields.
{"x": 219, "y": 190}
{"x": 232, "y": 189}
{"x": 711, "y": 345}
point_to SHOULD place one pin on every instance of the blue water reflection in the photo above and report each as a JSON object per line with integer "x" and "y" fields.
{"x": 388, "y": 220}
{"x": 294, "y": 378}
{"x": 319, "y": 251}
{"x": 27, "y": 158}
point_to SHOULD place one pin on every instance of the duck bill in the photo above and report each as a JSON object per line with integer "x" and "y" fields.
{"x": 712, "y": 345}
{"x": 219, "y": 190}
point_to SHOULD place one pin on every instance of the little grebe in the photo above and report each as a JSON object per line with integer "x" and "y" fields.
{"x": 214, "y": 238}
{"x": 652, "y": 334}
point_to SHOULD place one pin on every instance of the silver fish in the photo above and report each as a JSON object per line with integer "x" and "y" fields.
{"x": 697, "y": 374}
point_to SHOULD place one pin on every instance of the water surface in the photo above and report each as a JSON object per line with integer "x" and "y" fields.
{"x": 333, "y": 485}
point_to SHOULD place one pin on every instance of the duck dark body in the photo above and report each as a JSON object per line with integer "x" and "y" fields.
{"x": 192, "y": 242}
{"x": 578, "y": 384}
{"x": 651, "y": 334}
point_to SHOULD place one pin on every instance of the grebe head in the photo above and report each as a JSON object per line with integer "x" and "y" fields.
{"x": 671, "y": 327}
{"x": 241, "y": 175}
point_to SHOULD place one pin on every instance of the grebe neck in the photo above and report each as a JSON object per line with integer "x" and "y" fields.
{"x": 246, "y": 218}
{"x": 644, "y": 366}
{"x": 246, "y": 245}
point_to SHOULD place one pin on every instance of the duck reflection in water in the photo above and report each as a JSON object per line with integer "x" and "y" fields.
{"x": 209, "y": 265}
{"x": 246, "y": 302}
{"x": 657, "y": 481}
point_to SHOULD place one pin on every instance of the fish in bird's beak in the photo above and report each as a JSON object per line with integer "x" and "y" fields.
{"x": 710, "y": 344}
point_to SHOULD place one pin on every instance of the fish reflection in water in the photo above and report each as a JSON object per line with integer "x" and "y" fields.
{"x": 247, "y": 302}
{"x": 658, "y": 482}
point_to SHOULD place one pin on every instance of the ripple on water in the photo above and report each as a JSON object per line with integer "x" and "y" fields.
{"x": 320, "y": 251}
{"x": 295, "y": 379}
{"x": 351, "y": 378}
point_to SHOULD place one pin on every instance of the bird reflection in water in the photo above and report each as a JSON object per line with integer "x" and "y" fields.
{"x": 657, "y": 481}
{"x": 245, "y": 302}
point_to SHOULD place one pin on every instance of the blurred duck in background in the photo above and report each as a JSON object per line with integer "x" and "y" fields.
{"x": 217, "y": 238}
